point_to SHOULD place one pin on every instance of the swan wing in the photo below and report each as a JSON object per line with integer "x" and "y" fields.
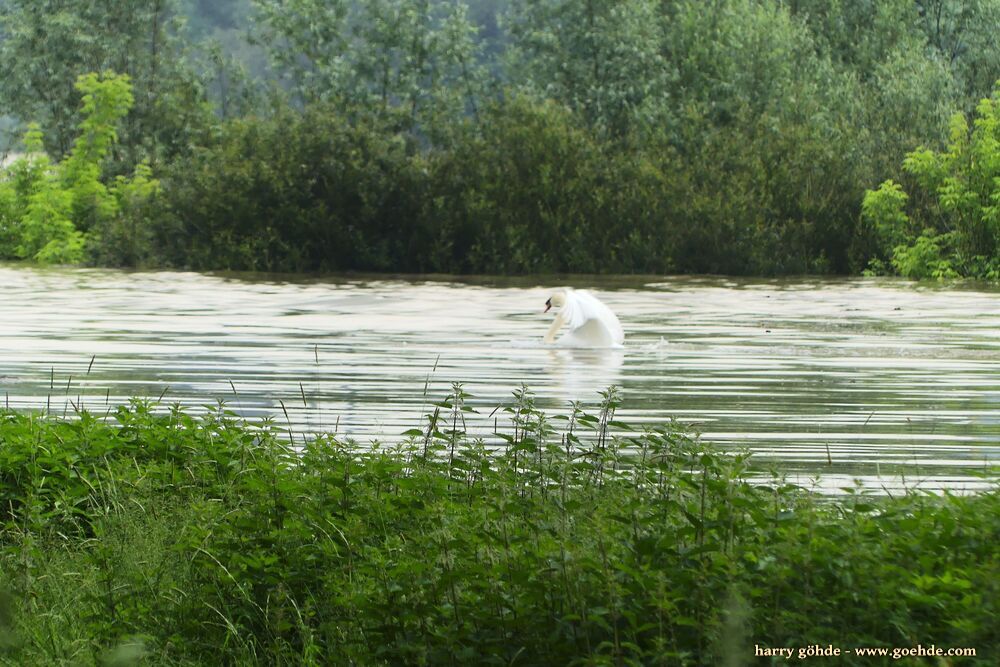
{"x": 582, "y": 307}
{"x": 575, "y": 311}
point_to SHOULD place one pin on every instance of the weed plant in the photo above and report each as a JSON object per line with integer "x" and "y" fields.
{"x": 144, "y": 537}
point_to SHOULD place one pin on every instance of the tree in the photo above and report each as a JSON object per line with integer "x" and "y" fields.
{"x": 963, "y": 33}
{"x": 49, "y": 43}
{"x": 307, "y": 43}
{"x": 600, "y": 58}
{"x": 416, "y": 59}
{"x": 956, "y": 227}
{"x": 860, "y": 34}
{"x": 51, "y": 211}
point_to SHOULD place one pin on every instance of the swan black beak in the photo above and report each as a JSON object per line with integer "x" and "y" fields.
{"x": 548, "y": 304}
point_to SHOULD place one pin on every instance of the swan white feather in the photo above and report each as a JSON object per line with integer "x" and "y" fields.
{"x": 590, "y": 322}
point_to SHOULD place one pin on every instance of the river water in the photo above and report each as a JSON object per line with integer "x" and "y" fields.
{"x": 888, "y": 382}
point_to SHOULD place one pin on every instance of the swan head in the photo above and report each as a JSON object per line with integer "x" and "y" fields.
{"x": 557, "y": 300}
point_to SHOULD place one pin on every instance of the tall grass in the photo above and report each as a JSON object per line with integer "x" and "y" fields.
{"x": 170, "y": 539}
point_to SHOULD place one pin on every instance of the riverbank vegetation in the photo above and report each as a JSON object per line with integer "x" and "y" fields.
{"x": 156, "y": 535}
{"x": 954, "y": 221}
{"x": 742, "y": 136}
{"x": 55, "y": 212}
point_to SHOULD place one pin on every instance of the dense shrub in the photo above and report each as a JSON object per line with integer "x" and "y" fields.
{"x": 211, "y": 541}
{"x": 953, "y": 224}
{"x": 62, "y": 212}
{"x": 292, "y": 193}
{"x": 535, "y": 192}
{"x": 527, "y": 189}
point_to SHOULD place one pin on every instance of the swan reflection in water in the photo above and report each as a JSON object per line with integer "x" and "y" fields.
{"x": 580, "y": 373}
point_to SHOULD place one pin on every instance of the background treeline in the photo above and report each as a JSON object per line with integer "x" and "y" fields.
{"x": 735, "y": 136}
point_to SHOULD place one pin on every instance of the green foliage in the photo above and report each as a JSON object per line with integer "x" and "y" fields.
{"x": 601, "y": 58}
{"x": 50, "y": 43}
{"x": 906, "y": 90}
{"x": 106, "y": 100}
{"x": 47, "y": 234}
{"x": 573, "y": 539}
{"x": 736, "y": 136}
{"x": 314, "y": 192}
{"x": 959, "y": 211}
{"x": 959, "y": 31}
{"x": 52, "y": 213}
{"x": 9, "y": 217}
{"x": 536, "y": 193}
{"x": 402, "y": 61}
{"x": 316, "y": 40}
{"x": 741, "y": 155}
{"x": 860, "y": 34}
{"x": 37, "y": 217}
{"x": 293, "y": 193}
{"x": 883, "y": 209}
{"x": 22, "y": 179}
{"x": 526, "y": 189}
{"x": 125, "y": 237}
{"x": 925, "y": 258}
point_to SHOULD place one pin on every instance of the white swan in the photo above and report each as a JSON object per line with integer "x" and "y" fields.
{"x": 590, "y": 322}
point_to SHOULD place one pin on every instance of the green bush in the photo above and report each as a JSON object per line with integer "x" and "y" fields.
{"x": 953, "y": 228}
{"x": 533, "y": 191}
{"x": 925, "y": 258}
{"x": 292, "y": 193}
{"x": 526, "y": 189}
{"x": 207, "y": 540}
{"x": 59, "y": 213}
{"x": 316, "y": 191}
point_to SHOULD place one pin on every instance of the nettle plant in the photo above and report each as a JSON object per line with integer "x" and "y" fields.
{"x": 52, "y": 212}
{"x": 953, "y": 224}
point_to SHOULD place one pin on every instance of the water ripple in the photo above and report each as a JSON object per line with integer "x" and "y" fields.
{"x": 878, "y": 380}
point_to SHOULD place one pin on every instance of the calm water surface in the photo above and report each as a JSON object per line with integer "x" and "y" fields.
{"x": 899, "y": 382}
